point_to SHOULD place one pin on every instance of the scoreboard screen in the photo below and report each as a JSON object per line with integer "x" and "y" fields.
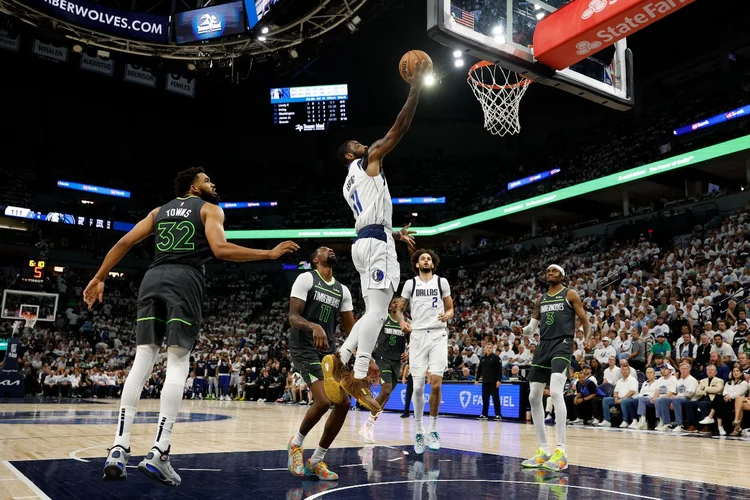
{"x": 309, "y": 109}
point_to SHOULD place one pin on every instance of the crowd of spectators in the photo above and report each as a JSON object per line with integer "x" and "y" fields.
{"x": 653, "y": 308}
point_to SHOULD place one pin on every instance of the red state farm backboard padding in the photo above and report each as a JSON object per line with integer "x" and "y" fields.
{"x": 584, "y": 27}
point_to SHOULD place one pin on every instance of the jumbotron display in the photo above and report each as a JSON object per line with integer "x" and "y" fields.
{"x": 309, "y": 109}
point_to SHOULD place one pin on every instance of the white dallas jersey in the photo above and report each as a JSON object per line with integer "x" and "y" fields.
{"x": 368, "y": 197}
{"x": 426, "y": 302}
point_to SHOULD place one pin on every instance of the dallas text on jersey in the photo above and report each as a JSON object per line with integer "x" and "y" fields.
{"x": 428, "y": 292}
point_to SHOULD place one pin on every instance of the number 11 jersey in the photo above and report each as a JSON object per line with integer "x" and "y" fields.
{"x": 368, "y": 197}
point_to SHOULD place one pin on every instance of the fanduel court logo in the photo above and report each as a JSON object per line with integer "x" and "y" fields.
{"x": 465, "y": 398}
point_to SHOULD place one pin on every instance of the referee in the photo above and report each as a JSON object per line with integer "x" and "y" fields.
{"x": 490, "y": 370}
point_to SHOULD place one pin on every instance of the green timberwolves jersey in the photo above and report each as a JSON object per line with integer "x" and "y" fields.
{"x": 322, "y": 307}
{"x": 180, "y": 235}
{"x": 391, "y": 341}
{"x": 557, "y": 317}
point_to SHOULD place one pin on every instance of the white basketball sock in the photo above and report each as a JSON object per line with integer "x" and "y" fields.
{"x": 318, "y": 455}
{"x": 369, "y": 328}
{"x": 178, "y": 366}
{"x": 418, "y": 400}
{"x": 536, "y": 392}
{"x": 145, "y": 357}
{"x": 556, "y": 389}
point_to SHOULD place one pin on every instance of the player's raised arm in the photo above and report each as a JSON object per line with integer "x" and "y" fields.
{"x": 575, "y": 301}
{"x": 213, "y": 220}
{"x": 382, "y": 147}
{"x": 145, "y": 228}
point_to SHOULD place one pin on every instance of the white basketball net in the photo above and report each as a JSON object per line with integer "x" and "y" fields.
{"x": 499, "y": 91}
{"x": 28, "y": 321}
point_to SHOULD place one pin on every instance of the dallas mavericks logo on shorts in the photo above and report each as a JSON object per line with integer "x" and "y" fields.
{"x": 378, "y": 275}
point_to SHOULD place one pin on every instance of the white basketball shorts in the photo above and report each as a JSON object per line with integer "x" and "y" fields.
{"x": 377, "y": 263}
{"x": 428, "y": 352}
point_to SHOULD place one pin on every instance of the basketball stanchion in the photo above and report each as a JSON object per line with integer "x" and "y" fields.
{"x": 499, "y": 91}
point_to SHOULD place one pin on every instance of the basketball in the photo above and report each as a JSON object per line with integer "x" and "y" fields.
{"x": 409, "y": 63}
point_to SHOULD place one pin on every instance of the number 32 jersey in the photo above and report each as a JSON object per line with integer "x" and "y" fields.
{"x": 368, "y": 197}
{"x": 179, "y": 233}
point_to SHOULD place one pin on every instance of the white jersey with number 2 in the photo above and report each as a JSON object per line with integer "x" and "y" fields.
{"x": 368, "y": 197}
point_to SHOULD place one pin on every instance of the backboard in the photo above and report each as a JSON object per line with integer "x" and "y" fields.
{"x": 17, "y": 302}
{"x": 502, "y": 32}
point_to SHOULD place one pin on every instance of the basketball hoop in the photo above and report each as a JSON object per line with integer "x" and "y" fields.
{"x": 29, "y": 318}
{"x": 499, "y": 91}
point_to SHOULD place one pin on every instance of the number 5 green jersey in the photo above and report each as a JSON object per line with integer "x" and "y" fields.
{"x": 180, "y": 235}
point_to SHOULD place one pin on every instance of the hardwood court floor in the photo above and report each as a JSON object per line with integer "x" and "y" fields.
{"x": 81, "y": 431}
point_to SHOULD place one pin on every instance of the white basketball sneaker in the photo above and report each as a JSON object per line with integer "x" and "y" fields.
{"x": 367, "y": 431}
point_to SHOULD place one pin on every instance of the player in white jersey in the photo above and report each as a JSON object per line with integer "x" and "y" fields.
{"x": 374, "y": 253}
{"x": 431, "y": 308}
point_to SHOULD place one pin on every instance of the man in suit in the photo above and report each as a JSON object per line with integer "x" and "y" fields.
{"x": 490, "y": 370}
{"x": 707, "y": 390}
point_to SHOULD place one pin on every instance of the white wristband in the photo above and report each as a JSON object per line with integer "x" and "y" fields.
{"x": 531, "y": 327}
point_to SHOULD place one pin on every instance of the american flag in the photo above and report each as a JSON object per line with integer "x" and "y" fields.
{"x": 463, "y": 17}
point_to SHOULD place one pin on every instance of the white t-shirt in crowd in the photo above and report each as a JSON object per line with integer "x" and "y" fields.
{"x": 662, "y": 386}
{"x": 426, "y": 302}
{"x": 686, "y": 387}
{"x": 625, "y": 385}
{"x": 612, "y": 375}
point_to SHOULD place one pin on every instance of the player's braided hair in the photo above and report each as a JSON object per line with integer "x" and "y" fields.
{"x": 185, "y": 179}
{"x": 418, "y": 253}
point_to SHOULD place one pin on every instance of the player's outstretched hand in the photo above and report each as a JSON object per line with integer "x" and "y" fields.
{"x": 421, "y": 70}
{"x": 320, "y": 339}
{"x": 406, "y": 326}
{"x": 407, "y": 237}
{"x": 284, "y": 248}
{"x": 94, "y": 291}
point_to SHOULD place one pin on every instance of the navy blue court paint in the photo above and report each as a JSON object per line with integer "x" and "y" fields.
{"x": 96, "y": 417}
{"x": 36, "y": 400}
{"x": 387, "y": 475}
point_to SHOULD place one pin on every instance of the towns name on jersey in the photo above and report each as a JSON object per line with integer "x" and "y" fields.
{"x": 560, "y": 306}
{"x": 428, "y": 292}
{"x": 327, "y": 299}
{"x": 178, "y": 212}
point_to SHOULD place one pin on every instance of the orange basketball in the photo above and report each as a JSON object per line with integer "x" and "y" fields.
{"x": 408, "y": 64}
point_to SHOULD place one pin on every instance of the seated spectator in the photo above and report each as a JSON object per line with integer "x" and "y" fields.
{"x": 582, "y": 404}
{"x": 723, "y": 407}
{"x": 661, "y": 346}
{"x": 725, "y": 351}
{"x": 708, "y": 389}
{"x": 664, "y": 387}
{"x": 612, "y": 372}
{"x": 626, "y": 387}
{"x": 686, "y": 387}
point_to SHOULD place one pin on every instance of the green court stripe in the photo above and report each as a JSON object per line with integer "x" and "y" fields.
{"x": 181, "y": 321}
{"x": 332, "y": 292}
{"x": 564, "y": 359}
{"x": 151, "y": 318}
{"x": 318, "y": 363}
{"x": 540, "y": 366}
